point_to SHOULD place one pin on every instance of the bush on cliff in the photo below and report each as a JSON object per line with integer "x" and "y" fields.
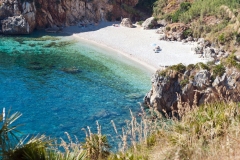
{"x": 218, "y": 70}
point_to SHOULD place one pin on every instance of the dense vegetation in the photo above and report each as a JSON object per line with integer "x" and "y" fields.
{"x": 215, "y": 20}
{"x": 207, "y": 132}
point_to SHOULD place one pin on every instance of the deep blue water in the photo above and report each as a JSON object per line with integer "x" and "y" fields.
{"x": 35, "y": 80}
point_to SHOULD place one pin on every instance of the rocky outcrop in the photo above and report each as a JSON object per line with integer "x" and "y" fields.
{"x": 163, "y": 93}
{"x": 13, "y": 21}
{"x": 150, "y": 23}
{"x": 15, "y": 25}
{"x": 52, "y": 13}
{"x": 176, "y": 31}
{"x": 29, "y": 13}
{"x": 199, "y": 89}
{"x": 182, "y": 33}
{"x": 126, "y": 22}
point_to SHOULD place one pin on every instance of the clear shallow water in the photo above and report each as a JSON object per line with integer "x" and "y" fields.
{"x": 35, "y": 80}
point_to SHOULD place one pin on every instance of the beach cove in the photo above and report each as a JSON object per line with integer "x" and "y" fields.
{"x": 84, "y": 73}
{"x": 60, "y": 85}
{"x": 136, "y": 44}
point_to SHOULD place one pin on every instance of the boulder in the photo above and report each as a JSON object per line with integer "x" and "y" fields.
{"x": 238, "y": 58}
{"x": 15, "y": 25}
{"x": 175, "y": 31}
{"x": 149, "y": 23}
{"x": 162, "y": 37}
{"x": 162, "y": 23}
{"x": 202, "y": 79}
{"x": 126, "y": 22}
{"x": 161, "y": 30}
{"x": 189, "y": 39}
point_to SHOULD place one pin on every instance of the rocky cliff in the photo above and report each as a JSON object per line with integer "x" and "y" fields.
{"x": 195, "y": 84}
{"x": 23, "y": 16}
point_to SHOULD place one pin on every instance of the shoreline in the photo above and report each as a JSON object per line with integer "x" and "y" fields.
{"x": 136, "y": 45}
{"x": 147, "y": 66}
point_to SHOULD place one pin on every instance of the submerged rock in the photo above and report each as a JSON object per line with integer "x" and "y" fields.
{"x": 103, "y": 114}
{"x": 71, "y": 70}
{"x": 35, "y": 67}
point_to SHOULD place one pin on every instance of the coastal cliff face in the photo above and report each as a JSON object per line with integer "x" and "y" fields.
{"x": 22, "y": 17}
{"x": 171, "y": 88}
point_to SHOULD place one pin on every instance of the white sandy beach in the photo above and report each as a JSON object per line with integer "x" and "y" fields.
{"x": 137, "y": 44}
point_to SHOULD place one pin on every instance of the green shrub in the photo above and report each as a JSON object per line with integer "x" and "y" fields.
{"x": 175, "y": 16}
{"x": 221, "y": 38}
{"x": 140, "y": 23}
{"x": 218, "y": 70}
{"x": 168, "y": 28}
{"x": 162, "y": 73}
{"x": 151, "y": 140}
{"x": 203, "y": 66}
{"x": 231, "y": 61}
{"x": 179, "y": 68}
{"x": 238, "y": 38}
{"x": 184, "y": 82}
{"x": 185, "y": 6}
{"x": 167, "y": 17}
{"x": 158, "y": 7}
{"x": 187, "y": 32}
{"x": 151, "y": 26}
{"x": 190, "y": 67}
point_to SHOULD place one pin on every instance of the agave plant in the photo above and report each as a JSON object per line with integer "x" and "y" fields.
{"x": 36, "y": 148}
{"x": 7, "y": 133}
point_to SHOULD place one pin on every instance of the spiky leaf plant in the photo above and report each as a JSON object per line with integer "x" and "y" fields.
{"x": 7, "y": 133}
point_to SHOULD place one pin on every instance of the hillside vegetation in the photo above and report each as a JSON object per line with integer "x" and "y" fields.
{"x": 214, "y": 20}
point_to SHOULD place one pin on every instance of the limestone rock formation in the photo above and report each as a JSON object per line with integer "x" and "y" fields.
{"x": 149, "y": 23}
{"x": 51, "y": 13}
{"x": 175, "y": 31}
{"x": 29, "y": 13}
{"x": 200, "y": 88}
{"x": 15, "y": 25}
{"x": 126, "y": 22}
{"x": 163, "y": 93}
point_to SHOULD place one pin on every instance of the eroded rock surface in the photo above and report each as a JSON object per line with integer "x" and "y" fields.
{"x": 149, "y": 23}
{"x": 15, "y": 25}
{"x": 126, "y": 22}
{"x": 52, "y": 13}
{"x": 199, "y": 90}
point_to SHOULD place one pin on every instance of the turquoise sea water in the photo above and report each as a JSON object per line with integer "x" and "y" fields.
{"x": 63, "y": 85}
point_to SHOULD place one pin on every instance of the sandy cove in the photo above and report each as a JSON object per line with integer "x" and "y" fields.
{"x": 137, "y": 44}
